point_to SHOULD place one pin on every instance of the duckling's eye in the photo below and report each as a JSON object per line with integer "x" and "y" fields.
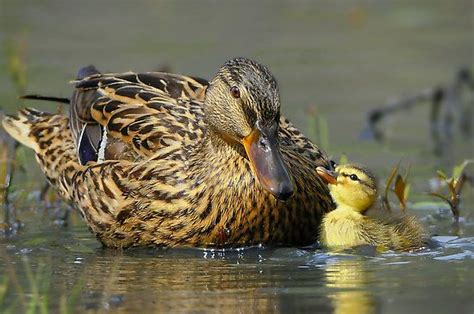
{"x": 354, "y": 177}
{"x": 235, "y": 92}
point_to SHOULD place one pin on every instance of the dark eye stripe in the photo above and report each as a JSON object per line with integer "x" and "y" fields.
{"x": 366, "y": 184}
{"x": 250, "y": 113}
{"x": 358, "y": 179}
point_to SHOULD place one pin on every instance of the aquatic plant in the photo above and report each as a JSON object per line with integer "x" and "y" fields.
{"x": 455, "y": 184}
{"x": 4, "y": 163}
{"x": 318, "y": 128}
{"x": 8, "y": 149}
{"x": 343, "y": 159}
{"x": 401, "y": 188}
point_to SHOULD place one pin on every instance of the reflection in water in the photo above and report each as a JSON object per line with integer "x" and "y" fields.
{"x": 74, "y": 274}
{"x": 171, "y": 283}
{"x": 185, "y": 281}
{"x": 349, "y": 278}
{"x": 177, "y": 280}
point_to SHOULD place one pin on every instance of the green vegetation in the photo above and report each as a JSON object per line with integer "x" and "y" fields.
{"x": 15, "y": 55}
{"x": 318, "y": 129}
{"x": 454, "y": 185}
{"x": 401, "y": 188}
{"x": 16, "y": 64}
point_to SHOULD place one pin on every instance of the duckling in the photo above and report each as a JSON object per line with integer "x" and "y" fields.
{"x": 354, "y": 190}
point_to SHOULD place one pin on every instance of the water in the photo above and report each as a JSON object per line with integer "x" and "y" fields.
{"x": 338, "y": 60}
{"x": 78, "y": 270}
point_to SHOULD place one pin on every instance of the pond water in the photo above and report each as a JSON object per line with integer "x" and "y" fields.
{"x": 334, "y": 62}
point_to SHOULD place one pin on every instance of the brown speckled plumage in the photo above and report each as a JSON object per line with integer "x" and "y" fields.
{"x": 168, "y": 177}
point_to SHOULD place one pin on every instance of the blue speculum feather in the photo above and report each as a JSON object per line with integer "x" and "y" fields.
{"x": 88, "y": 150}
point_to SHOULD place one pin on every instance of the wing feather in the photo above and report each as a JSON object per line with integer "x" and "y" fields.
{"x": 149, "y": 111}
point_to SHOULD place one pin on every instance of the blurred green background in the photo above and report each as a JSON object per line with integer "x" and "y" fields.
{"x": 343, "y": 57}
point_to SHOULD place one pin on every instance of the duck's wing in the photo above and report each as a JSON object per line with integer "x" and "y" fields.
{"x": 405, "y": 232}
{"x": 86, "y": 132}
{"x": 136, "y": 115}
{"x": 408, "y": 233}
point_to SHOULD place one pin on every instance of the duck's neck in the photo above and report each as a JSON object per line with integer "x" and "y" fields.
{"x": 214, "y": 143}
{"x": 218, "y": 164}
{"x": 214, "y": 155}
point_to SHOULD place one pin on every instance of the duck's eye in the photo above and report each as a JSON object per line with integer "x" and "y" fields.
{"x": 235, "y": 92}
{"x": 354, "y": 177}
{"x": 333, "y": 164}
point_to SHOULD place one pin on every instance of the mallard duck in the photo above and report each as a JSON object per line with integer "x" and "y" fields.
{"x": 172, "y": 160}
{"x": 354, "y": 190}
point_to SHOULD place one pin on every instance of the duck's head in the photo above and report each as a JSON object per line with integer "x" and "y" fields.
{"x": 351, "y": 186}
{"x": 242, "y": 107}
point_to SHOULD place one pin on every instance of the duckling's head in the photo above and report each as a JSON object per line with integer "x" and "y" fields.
{"x": 242, "y": 107}
{"x": 351, "y": 186}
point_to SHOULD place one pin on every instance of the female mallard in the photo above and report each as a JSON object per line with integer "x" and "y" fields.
{"x": 354, "y": 190}
{"x": 171, "y": 160}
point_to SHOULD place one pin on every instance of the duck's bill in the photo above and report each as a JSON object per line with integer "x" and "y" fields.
{"x": 263, "y": 152}
{"x": 328, "y": 176}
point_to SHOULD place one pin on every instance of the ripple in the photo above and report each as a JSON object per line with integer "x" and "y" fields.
{"x": 458, "y": 256}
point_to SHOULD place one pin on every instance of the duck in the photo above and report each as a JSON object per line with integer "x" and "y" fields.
{"x": 354, "y": 190}
{"x": 169, "y": 160}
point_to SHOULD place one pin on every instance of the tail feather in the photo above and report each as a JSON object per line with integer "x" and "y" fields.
{"x": 50, "y": 137}
{"x": 20, "y": 127}
{"x": 46, "y": 98}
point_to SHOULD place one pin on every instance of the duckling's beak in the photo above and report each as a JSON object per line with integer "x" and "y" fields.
{"x": 264, "y": 154}
{"x": 329, "y": 176}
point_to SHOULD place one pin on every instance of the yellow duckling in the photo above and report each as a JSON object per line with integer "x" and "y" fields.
{"x": 354, "y": 190}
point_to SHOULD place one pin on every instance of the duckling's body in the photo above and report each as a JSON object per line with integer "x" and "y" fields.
{"x": 170, "y": 160}
{"x": 354, "y": 192}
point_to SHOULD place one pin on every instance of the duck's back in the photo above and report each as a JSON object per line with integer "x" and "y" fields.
{"x": 133, "y": 116}
{"x": 407, "y": 233}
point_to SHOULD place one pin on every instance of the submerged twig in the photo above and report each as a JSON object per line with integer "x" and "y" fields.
{"x": 8, "y": 149}
{"x": 9, "y": 173}
{"x": 447, "y": 107}
{"x": 376, "y": 116}
{"x": 15, "y": 52}
{"x": 44, "y": 193}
